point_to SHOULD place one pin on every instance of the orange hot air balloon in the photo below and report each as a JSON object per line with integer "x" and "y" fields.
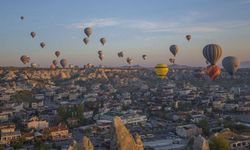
{"x": 52, "y": 66}
{"x": 213, "y": 71}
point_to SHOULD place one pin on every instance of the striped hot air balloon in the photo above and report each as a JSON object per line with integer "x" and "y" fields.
{"x": 161, "y": 70}
{"x": 212, "y": 53}
{"x": 174, "y": 49}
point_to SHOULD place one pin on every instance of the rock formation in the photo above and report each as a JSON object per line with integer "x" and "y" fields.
{"x": 122, "y": 139}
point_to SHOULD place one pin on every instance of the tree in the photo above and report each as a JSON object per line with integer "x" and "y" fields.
{"x": 62, "y": 113}
{"x": 42, "y": 147}
{"x": 204, "y": 125}
{"x": 22, "y": 96}
{"x": 218, "y": 142}
{"x": 18, "y": 143}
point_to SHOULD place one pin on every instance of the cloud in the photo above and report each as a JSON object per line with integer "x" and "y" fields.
{"x": 188, "y": 24}
{"x": 245, "y": 2}
{"x": 103, "y": 22}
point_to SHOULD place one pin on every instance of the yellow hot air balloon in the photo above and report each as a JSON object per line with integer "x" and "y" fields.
{"x": 161, "y": 70}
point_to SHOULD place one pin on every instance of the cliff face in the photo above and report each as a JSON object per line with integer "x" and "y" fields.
{"x": 122, "y": 139}
{"x": 85, "y": 145}
{"x": 200, "y": 143}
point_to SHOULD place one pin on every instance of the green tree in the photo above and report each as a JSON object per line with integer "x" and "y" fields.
{"x": 218, "y": 142}
{"x": 18, "y": 143}
{"x": 79, "y": 113}
{"x": 62, "y": 113}
{"x": 23, "y": 96}
{"x": 42, "y": 147}
{"x": 204, "y": 125}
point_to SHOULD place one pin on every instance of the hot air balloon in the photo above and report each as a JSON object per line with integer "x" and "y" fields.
{"x": 71, "y": 66}
{"x": 88, "y": 31}
{"x": 55, "y": 62}
{"x": 188, "y": 37}
{"x": 63, "y": 62}
{"x": 101, "y": 56}
{"x": 86, "y": 41}
{"x": 212, "y": 53}
{"x": 100, "y": 52}
{"x": 42, "y": 44}
{"x": 33, "y": 34}
{"x": 25, "y": 59}
{"x": 129, "y": 60}
{"x": 161, "y": 70}
{"x": 120, "y": 54}
{"x": 103, "y": 41}
{"x": 144, "y": 57}
{"x": 57, "y": 53}
{"x": 22, "y": 17}
{"x": 171, "y": 60}
{"x": 33, "y": 65}
{"x": 174, "y": 49}
{"x": 231, "y": 64}
{"x": 213, "y": 71}
{"x": 52, "y": 66}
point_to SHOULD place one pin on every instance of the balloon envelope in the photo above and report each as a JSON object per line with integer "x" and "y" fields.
{"x": 171, "y": 60}
{"x": 120, "y": 54}
{"x": 101, "y": 56}
{"x": 161, "y": 70}
{"x": 33, "y": 34}
{"x": 103, "y": 41}
{"x": 188, "y": 37}
{"x": 55, "y": 62}
{"x": 174, "y": 49}
{"x": 129, "y": 60}
{"x": 57, "y": 53}
{"x": 63, "y": 63}
{"x": 25, "y": 59}
{"x": 33, "y": 65}
{"x": 231, "y": 64}
{"x": 88, "y": 31}
{"x": 42, "y": 44}
{"x": 52, "y": 66}
{"x": 100, "y": 52}
{"x": 213, "y": 71}
{"x": 86, "y": 41}
{"x": 212, "y": 53}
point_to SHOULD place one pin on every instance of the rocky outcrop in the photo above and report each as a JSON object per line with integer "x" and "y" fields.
{"x": 200, "y": 143}
{"x": 122, "y": 139}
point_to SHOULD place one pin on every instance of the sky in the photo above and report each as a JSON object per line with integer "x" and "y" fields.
{"x": 135, "y": 27}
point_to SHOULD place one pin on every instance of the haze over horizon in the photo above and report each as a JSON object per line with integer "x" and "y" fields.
{"x": 134, "y": 27}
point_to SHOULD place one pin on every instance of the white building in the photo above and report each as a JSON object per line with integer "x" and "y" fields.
{"x": 36, "y": 123}
{"x": 188, "y": 131}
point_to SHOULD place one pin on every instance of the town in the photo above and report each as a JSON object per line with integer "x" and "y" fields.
{"x": 58, "y": 108}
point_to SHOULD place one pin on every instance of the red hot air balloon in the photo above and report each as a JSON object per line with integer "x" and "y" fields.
{"x": 213, "y": 71}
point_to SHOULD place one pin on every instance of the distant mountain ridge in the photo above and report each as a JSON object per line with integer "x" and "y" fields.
{"x": 179, "y": 66}
{"x": 245, "y": 64}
